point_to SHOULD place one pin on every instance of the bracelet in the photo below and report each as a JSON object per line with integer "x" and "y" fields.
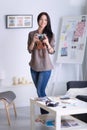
{"x": 49, "y": 48}
{"x": 51, "y": 51}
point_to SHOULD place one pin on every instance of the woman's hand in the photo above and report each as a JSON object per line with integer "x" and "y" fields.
{"x": 46, "y": 41}
{"x": 35, "y": 38}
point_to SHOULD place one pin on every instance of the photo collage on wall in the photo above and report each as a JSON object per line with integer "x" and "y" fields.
{"x": 72, "y": 40}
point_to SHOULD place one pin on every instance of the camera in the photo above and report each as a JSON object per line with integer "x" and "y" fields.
{"x": 41, "y": 36}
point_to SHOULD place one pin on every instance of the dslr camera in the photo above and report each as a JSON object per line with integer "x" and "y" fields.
{"x": 41, "y": 36}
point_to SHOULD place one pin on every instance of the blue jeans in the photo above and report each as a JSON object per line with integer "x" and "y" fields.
{"x": 40, "y": 80}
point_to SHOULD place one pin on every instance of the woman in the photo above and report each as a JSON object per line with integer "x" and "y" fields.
{"x": 40, "y": 45}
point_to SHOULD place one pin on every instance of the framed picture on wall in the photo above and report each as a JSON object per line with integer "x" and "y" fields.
{"x": 19, "y": 21}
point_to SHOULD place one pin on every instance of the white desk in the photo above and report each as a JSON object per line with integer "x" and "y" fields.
{"x": 78, "y": 107}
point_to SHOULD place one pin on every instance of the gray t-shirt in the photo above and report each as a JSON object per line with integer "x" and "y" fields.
{"x": 40, "y": 59}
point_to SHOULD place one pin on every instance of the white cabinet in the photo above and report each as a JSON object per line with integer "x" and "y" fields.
{"x": 23, "y": 93}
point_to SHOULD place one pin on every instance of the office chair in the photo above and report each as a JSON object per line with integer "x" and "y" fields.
{"x": 7, "y": 98}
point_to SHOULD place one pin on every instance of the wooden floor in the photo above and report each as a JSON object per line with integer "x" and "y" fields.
{"x": 22, "y": 122}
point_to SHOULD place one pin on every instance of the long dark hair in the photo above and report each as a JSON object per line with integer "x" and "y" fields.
{"x": 47, "y": 30}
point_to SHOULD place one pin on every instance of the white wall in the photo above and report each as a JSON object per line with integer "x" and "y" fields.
{"x": 14, "y": 57}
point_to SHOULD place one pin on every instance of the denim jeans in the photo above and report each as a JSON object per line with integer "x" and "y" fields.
{"x": 40, "y": 80}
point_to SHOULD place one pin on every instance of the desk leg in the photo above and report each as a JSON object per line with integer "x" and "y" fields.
{"x": 57, "y": 122}
{"x": 32, "y": 115}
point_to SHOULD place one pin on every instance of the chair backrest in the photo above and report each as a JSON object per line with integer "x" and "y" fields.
{"x": 76, "y": 84}
{"x": 9, "y": 96}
